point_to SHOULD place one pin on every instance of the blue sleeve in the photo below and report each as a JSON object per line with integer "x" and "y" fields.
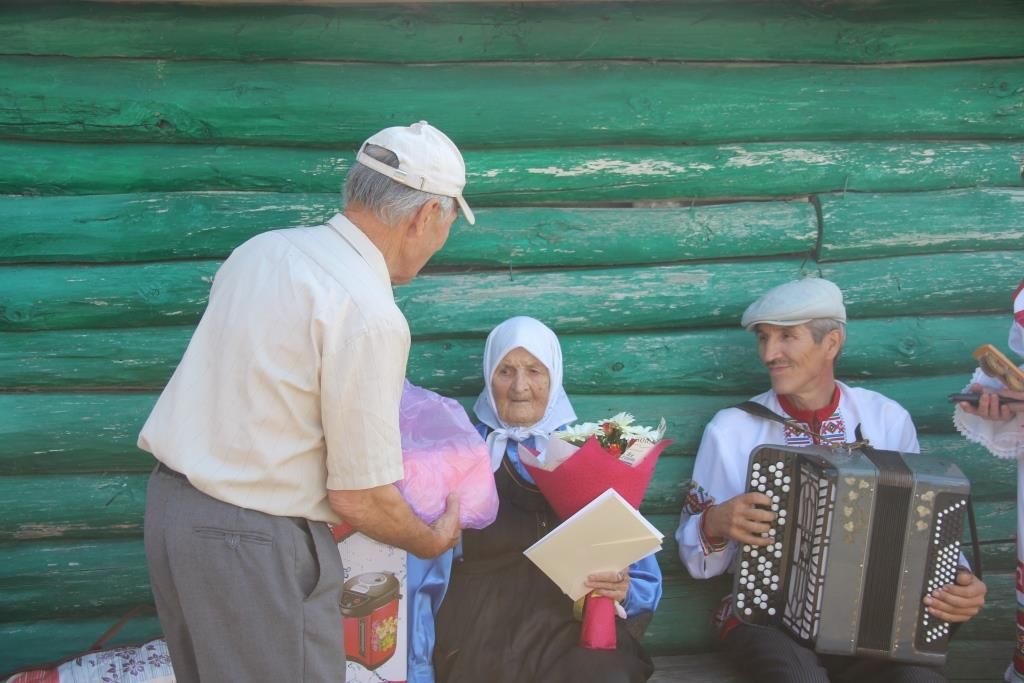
{"x": 644, "y": 586}
{"x": 425, "y": 586}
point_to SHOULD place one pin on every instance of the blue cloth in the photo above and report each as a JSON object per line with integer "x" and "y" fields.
{"x": 426, "y": 584}
{"x": 427, "y": 581}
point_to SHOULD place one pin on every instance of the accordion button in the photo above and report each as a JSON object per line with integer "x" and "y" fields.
{"x": 747, "y": 611}
{"x": 785, "y": 488}
{"x": 771, "y": 610}
{"x": 782, "y": 514}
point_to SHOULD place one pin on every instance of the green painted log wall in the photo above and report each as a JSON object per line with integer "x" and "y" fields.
{"x": 518, "y": 31}
{"x": 593, "y": 103}
{"x": 542, "y": 175}
{"x": 642, "y": 169}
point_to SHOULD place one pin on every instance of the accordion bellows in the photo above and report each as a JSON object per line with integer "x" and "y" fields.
{"x": 860, "y": 538}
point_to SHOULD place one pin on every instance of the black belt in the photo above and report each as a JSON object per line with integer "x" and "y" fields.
{"x": 164, "y": 469}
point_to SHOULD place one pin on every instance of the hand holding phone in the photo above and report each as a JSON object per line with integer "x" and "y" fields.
{"x": 973, "y": 398}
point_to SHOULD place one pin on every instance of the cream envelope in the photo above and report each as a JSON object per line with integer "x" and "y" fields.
{"x": 605, "y": 535}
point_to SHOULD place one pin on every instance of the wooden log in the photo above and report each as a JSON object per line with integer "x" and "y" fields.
{"x": 604, "y": 103}
{"x": 440, "y": 32}
{"x": 105, "y": 505}
{"x": 701, "y": 361}
{"x": 81, "y": 579}
{"x": 169, "y": 292}
{"x": 920, "y": 285}
{"x": 527, "y": 176}
{"x": 39, "y": 641}
{"x": 72, "y": 433}
{"x": 184, "y": 225}
{"x": 80, "y": 433}
{"x": 84, "y": 506}
{"x": 583, "y": 300}
{"x": 871, "y": 225}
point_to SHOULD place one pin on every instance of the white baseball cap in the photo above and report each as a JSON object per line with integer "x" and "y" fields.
{"x": 427, "y": 160}
{"x": 796, "y": 303}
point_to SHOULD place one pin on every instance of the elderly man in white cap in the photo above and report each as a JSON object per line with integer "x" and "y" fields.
{"x": 800, "y": 328}
{"x": 283, "y": 416}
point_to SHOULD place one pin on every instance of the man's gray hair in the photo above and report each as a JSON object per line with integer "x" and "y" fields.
{"x": 819, "y": 327}
{"x": 390, "y": 201}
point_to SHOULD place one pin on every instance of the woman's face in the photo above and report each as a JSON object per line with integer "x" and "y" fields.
{"x": 520, "y": 386}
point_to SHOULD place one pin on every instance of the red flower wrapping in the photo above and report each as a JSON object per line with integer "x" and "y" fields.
{"x": 585, "y": 475}
{"x": 591, "y": 471}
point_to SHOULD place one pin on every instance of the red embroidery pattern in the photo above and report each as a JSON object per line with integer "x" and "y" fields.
{"x": 697, "y": 499}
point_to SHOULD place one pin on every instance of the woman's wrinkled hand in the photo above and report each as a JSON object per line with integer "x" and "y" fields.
{"x": 614, "y": 585}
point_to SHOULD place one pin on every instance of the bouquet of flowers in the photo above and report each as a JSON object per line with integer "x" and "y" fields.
{"x": 581, "y": 463}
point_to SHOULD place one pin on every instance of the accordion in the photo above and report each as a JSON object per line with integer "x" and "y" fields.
{"x": 859, "y": 538}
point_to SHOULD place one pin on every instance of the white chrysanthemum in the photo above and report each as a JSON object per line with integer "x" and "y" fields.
{"x": 578, "y": 433}
{"x": 622, "y": 420}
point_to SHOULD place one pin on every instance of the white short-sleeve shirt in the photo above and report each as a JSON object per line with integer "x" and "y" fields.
{"x": 291, "y": 383}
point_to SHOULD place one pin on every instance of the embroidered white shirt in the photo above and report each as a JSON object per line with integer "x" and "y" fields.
{"x": 720, "y": 471}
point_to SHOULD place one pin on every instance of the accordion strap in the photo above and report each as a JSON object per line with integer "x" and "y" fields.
{"x": 757, "y": 410}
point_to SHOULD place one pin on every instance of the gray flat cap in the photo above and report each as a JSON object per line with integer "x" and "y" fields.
{"x": 796, "y": 303}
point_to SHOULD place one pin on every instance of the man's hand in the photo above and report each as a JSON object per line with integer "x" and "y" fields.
{"x": 446, "y": 527}
{"x": 382, "y": 514}
{"x": 959, "y": 601}
{"x": 614, "y": 585}
{"x": 990, "y": 407}
{"x": 739, "y": 520}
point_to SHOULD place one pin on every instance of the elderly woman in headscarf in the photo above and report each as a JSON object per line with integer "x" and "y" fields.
{"x": 502, "y": 619}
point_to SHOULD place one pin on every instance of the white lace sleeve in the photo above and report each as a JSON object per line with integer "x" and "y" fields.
{"x": 1002, "y": 439}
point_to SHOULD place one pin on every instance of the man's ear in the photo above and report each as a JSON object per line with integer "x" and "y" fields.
{"x": 421, "y": 219}
{"x": 834, "y": 342}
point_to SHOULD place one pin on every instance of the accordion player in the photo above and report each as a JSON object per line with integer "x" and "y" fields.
{"x": 859, "y": 538}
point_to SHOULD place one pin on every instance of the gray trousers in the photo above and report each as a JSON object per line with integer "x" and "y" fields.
{"x": 770, "y": 655}
{"x": 241, "y": 595}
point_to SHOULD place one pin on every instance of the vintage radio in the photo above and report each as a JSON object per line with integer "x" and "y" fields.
{"x": 860, "y": 537}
